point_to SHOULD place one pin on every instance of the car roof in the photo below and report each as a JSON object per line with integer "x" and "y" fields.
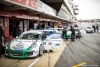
{"x": 50, "y": 29}
{"x": 42, "y": 30}
{"x": 33, "y": 31}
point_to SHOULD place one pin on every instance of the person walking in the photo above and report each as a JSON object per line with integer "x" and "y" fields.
{"x": 1, "y": 35}
{"x": 64, "y": 32}
{"x": 73, "y": 33}
{"x": 97, "y": 28}
{"x": 94, "y": 28}
{"x": 19, "y": 30}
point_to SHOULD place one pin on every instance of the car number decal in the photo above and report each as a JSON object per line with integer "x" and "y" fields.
{"x": 44, "y": 43}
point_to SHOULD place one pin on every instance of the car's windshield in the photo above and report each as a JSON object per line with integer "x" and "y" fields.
{"x": 55, "y": 30}
{"x": 49, "y": 32}
{"x": 29, "y": 36}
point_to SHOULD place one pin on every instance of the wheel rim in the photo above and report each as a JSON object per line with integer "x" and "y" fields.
{"x": 41, "y": 50}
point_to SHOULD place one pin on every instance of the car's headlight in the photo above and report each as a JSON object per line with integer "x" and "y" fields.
{"x": 34, "y": 45}
{"x": 8, "y": 45}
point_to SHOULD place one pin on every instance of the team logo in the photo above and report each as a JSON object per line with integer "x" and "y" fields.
{"x": 20, "y": 45}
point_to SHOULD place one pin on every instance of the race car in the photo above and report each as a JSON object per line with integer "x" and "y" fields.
{"x": 29, "y": 44}
{"x": 89, "y": 29}
{"x": 53, "y": 39}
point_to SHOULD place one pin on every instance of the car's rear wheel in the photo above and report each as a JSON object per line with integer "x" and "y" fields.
{"x": 41, "y": 50}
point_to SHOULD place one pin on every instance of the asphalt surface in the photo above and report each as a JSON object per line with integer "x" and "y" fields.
{"x": 84, "y": 52}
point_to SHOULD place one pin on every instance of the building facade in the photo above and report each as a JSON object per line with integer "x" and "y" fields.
{"x": 30, "y": 13}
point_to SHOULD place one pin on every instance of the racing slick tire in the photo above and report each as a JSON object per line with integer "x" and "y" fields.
{"x": 45, "y": 51}
{"x": 41, "y": 50}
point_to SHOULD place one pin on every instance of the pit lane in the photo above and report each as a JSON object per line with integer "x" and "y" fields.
{"x": 46, "y": 60}
{"x": 84, "y": 52}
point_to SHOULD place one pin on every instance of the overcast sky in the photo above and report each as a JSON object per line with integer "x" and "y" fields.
{"x": 88, "y": 9}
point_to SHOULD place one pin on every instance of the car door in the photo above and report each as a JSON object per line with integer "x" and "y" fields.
{"x": 45, "y": 42}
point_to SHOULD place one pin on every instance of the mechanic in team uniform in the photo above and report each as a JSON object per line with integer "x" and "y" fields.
{"x": 73, "y": 33}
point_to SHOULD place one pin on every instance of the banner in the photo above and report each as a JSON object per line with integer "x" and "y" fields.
{"x": 26, "y": 3}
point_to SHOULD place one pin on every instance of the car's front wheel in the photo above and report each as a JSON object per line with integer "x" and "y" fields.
{"x": 41, "y": 50}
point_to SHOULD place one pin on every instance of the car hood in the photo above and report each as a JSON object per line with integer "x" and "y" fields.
{"x": 21, "y": 44}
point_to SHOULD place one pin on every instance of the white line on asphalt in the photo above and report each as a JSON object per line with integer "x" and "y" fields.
{"x": 95, "y": 46}
{"x": 33, "y": 63}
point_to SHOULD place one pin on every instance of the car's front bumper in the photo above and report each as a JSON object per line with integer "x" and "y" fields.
{"x": 89, "y": 31}
{"x": 19, "y": 53}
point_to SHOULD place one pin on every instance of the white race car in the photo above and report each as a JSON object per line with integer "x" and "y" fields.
{"x": 53, "y": 40}
{"x": 29, "y": 44}
{"x": 89, "y": 29}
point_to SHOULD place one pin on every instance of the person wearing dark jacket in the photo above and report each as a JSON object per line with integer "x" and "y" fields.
{"x": 1, "y": 35}
{"x": 97, "y": 28}
{"x": 19, "y": 30}
{"x": 64, "y": 32}
{"x": 39, "y": 26}
{"x": 73, "y": 33}
{"x": 94, "y": 28}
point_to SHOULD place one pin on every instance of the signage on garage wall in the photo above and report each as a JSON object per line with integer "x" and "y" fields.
{"x": 26, "y": 3}
{"x": 22, "y": 2}
{"x": 31, "y": 3}
{"x": 48, "y": 10}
